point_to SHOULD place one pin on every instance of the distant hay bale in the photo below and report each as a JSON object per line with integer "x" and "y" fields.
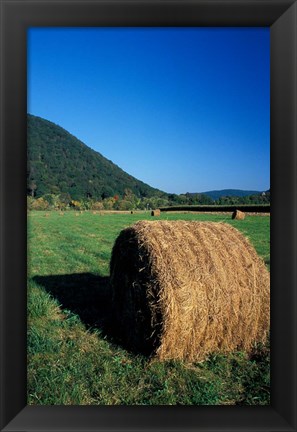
{"x": 186, "y": 289}
{"x": 238, "y": 215}
{"x": 156, "y": 212}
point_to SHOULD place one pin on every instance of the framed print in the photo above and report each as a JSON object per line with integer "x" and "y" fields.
{"x": 26, "y": 25}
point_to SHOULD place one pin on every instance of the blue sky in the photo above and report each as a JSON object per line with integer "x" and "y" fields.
{"x": 182, "y": 109}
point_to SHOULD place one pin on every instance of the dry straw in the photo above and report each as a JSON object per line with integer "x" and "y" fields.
{"x": 186, "y": 289}
{"x": 156, "y": 212}
{"x": 238, "y": 215}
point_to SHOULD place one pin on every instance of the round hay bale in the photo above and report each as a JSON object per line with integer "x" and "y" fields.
{"x": 156, "y": 212}
{"x": 186, "y": 289}
{"x": 238, "y": 215}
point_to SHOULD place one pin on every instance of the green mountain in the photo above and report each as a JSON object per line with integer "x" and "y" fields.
{"x": 60, "y": 163}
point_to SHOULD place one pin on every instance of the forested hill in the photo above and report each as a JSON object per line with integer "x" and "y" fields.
{"x": 60, "y": 163}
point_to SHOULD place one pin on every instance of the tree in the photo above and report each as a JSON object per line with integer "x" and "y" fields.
{"x": 39, "y": 204}
{"x": 108, "y": 203}
{"x": 98, "y": 205}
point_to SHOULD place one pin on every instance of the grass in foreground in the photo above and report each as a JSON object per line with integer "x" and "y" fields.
{"x": 72, "y": 358}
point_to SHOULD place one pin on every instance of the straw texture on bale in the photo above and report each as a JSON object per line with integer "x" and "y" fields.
{"x": 186, "y": 289}
{"x": 238, "y": 215}
{"x": 156, "y": 212}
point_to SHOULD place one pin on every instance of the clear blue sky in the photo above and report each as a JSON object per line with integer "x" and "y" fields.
{"x": 182, "y": 109}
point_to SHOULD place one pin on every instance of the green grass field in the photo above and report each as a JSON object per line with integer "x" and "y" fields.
{"x": 72, "y": 356}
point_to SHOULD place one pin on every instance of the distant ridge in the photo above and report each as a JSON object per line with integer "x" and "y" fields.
{"x": 216, "y": 194}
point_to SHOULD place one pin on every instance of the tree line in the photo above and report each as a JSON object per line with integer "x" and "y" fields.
{"x": 129, "y": 201}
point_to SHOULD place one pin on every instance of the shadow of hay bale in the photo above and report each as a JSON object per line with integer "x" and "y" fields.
{"x": 84, "y": 294}
{"x": 186, "y": 289}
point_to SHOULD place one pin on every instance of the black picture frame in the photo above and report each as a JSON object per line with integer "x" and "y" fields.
{"x": 16, "y": 17}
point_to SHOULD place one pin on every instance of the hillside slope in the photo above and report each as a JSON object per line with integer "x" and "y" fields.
{"x": 60, "y": 163}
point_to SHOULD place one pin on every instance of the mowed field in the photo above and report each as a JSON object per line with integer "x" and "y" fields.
{"x": 73, "y": 357}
